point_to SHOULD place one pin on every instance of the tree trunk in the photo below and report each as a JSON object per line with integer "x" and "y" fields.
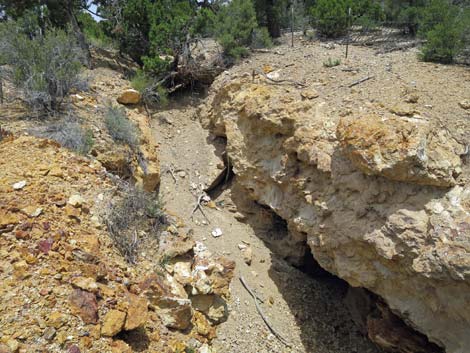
{"x": 79, "y": 34}
{"x": 274, "y": 25}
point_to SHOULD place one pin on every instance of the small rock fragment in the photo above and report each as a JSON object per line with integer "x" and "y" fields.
{"x": 309, "y": 94}
{"x": 85, "y": 283}
{"x": 84, "y": 304}
{"x": 19, "y": 185}
{"x": 136, "y": 313}
{"x": 217, "y": 232}
{"x": 49, "y": 333}
{"x": 76, "y": 201}
{"x": 247, "y": 254}
{"x": 465, "y": 104}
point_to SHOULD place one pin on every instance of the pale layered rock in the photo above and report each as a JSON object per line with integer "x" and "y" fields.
{"x": 175, "y": 312}
{"x": 402, "y": 149}
{"x": 378, "y": 201}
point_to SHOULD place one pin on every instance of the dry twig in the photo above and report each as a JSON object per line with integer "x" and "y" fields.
{"x": 360, "y": 81}
{"x": 199, "y": 207}
{"x": 295, "y": 83}
{"x": 260, "y": 312}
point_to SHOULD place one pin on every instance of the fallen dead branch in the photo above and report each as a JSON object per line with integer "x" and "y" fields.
{"x": 260, "y": 312}
{"x": 360, "y": 81}
{"x": 295, "y": 83}
{"x": 170, "y": 170}
{"x": 198, "y": 206}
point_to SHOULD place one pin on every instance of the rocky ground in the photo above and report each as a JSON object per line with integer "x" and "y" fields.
{"x": 67, "y": 288}
{"x": 307, "y": 312}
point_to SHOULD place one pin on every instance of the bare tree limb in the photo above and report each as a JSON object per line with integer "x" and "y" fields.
{"x": 360, "y": 81}
{"x": 260, "y": 312}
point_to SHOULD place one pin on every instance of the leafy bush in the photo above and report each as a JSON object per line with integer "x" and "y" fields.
{"x": 443, "y": 43}
{"x": 45, "y": 67}
{"x": 261, "y": 38}
{"x": 94, "y": 32}
{"x": 152, "y": 93}
{"x": 236, "y": 22}
{"x": 121, "y": 129}
{"x": 331, "y": 17}
{"x": 443, "y": 26}
{"x": 69, "y": 133}
{"x": 124, "y": 215}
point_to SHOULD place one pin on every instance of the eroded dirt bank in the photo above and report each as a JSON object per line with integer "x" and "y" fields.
{"x": 373, "y": 176}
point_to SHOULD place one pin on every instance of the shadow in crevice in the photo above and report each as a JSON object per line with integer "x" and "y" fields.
{"x": 137, "y": 339}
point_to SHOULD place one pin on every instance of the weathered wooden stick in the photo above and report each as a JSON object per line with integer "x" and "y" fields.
{"x": 260, "y": 312}
{"x": 360, "y": 81}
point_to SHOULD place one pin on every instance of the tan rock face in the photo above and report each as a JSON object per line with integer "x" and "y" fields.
{"x": 113, "y": 323}
{"x": 402, "y": 149}
{"x": 136, "y": 313}
{"x": 129, "y": 96}
{"x": 379, "y": 202}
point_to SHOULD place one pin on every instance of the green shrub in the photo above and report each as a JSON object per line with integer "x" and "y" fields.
{"x": 235, "y": 25}
{"x": 331, "y": 17}
{"x": 152, "y": 93}
{"x": 94, "y": 32}
{"x": 332, "y": 63}
{"x": 444, "y": 28}
{"x": 69, "y": 133}
{"x": 261, "y": 38}
{"x": 443, "y": 43}
{"x": 45, "y": 67}
{"x": 121, "y": 129}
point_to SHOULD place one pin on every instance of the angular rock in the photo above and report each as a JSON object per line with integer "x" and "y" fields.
{"x": 137, "y": 312}
{"x": 213, "y": 306}
{"x": 85, "y": 283}
{"x": 113, "y": 323}
{"x": 401, "y": 149}
{"x": 175, "y": 312}
{"x": 76, "y": 201}
{"x": 84, "y": 305}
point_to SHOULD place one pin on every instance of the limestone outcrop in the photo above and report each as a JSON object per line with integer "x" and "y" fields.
{"x": 381, "y": 201}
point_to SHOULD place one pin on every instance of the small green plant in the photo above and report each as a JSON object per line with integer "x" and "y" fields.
{"x": 261, "y": 38}
{"x": 331, "y": 62}
{"x": 152, "y": 93}
{"x": 121, "y": 129}
{"x": 69, "y": 133}
{"x": 141, "y": 81}
{"x": 128, "y": 213}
